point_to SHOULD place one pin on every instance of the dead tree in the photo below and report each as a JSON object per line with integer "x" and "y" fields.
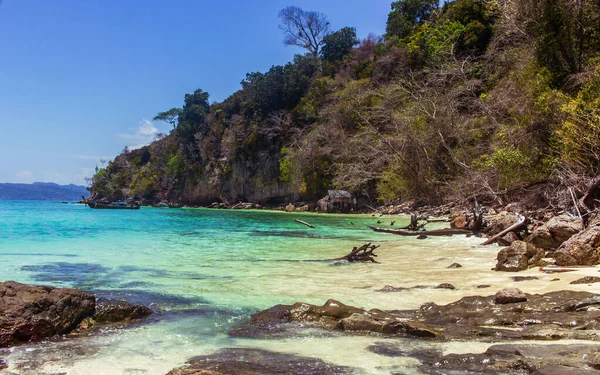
{"x": 520, "y": 224}
{"x": 361, "y": 254}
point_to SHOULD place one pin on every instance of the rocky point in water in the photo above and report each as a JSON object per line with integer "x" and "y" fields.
{"x": 30, "y": 313}
{"x": 257, "y": 362}
{"x": 509, "y": 315}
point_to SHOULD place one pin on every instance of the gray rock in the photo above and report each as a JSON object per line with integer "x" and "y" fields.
{"x": 509, "y": 295}
{"x": 108, "y": 311}
{"x": 587, "y": 280}
{"x": 519, "y": 256}
{"x": 556, "y": 231}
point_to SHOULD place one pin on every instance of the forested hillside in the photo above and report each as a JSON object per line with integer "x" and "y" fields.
{"x": 457, "y": 100}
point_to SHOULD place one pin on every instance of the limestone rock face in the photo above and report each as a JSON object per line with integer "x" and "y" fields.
{"x": 509, "y": 295}
{"x": 582, "y": 249}
{"x": 556, "y": 231}
{"x": 519, "y": 256}
{"x": 29, "y": 313}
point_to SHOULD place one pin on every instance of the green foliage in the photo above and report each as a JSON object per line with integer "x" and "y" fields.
{"x": 406, "y": 14}
{"x": 477, "y": 19}
{"x": 171, "y": 116}
{"x": 286, "y": 167}
{"x": 192, "y": 119}
{"x": 337, "y": 45}
{"x": 392, "y": 185}
{"x": 281, "y": 88}
{"x": 432, "y": 41}
{"x": 579, "y": 136}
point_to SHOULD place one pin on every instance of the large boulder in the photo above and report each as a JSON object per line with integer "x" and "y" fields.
{"x": 519, "y": 256}
{"x": 582, "y": 249}
{"x": 29, "y": 313}
{"x": 556, "y": 231}
{"x": 500, "y": 221}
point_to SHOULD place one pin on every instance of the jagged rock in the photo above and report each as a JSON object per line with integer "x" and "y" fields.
{"x": 499, "y": 222}
{"x": 3, "y": 364}
{"x": 258, "y": 362}
{"x": 332, "y": 315}
{"x": 446, "y": 286}
{"x": 290, "y": 208}
{"x": 556, "y": 359}
{"x": 29, "y": 313}
{"x": 508, "y": 239}
{"x": 587, "y": 280}
{"x": 108, "y": 311}
{"x": 556, "y": 231}
{"x": 519, "y": 256}
{"x": 509, "y": 295}
{"x": 455, "y": 265}
{"x": 582, "y": 249}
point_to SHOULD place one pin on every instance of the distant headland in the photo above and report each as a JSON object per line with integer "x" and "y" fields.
{"x": 45, "y": 191}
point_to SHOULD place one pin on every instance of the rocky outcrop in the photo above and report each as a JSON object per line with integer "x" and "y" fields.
{"x": 505, "y": 316}
{"x": 108, "y": 311}
{"x": 257, "y": 362}
{"x": 587, "y": 280}
{"x": 500, "y": 221}
{"x": 572, "y": 359}
{"x": 509, "y": 295}
{"x": 556, "y": 231}
{"x": 29, "y": 313}
{"x": 3, "y": 364}
{"x": 333, "y": 315}
{"x": 519, "y": 256}
{"x": 582, "y": 249}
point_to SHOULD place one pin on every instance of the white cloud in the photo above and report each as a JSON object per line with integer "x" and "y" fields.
{"x": 24, "y": 176}
{"x": 142, "y": 136}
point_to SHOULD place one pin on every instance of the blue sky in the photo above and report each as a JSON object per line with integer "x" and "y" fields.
{"x": 82, "y": 79}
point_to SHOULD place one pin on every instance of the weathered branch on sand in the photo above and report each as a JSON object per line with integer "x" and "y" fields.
{"x": 361, "y": 254}
{"x": 520, "y": 224}
{"x": 438, "y": 232}
{"x": 304, "y": 223}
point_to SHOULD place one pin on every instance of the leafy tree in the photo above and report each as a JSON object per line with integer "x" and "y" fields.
{"x": 338, "y": 45}
{"x": 305, "y": 29}
{"x": 171, "y": 116}
{"x": 192, "y": 119}
{"x": 406, "y": 14}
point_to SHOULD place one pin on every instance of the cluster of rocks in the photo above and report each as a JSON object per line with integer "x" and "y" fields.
{"x": 509, "y": 315}
{"x": 561, "y": 240}
{"x": 30, "y": 313}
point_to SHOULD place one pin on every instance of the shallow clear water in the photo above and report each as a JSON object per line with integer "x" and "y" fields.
{"x": 207, "y": 270}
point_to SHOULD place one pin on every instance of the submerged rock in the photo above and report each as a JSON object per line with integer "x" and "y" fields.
{"x": 455, "y": 265}
{"x": 446, "y": 286}
{"x": 582, "y": 249}
{"x": 519, "y": 256}
{"x": 29, "y": 313}
{"x": 258, "y": 362}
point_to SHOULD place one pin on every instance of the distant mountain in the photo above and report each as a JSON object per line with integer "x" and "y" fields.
{"x": 43, "y": 191}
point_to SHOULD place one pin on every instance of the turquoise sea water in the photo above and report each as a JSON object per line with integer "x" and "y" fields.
{"x": 207, "y": 270}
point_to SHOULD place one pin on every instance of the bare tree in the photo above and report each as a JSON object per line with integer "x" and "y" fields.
{"x": 304, "y": 29}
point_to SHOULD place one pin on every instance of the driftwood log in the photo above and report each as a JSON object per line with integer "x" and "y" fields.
{"x": 361, "y": 254}
{"x": 438, "y": 232}
{"x": 520, "y": 224}
{"x": 304, "y": 223}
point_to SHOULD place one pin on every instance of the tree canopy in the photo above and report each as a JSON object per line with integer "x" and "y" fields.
{"x": 305, "y": 29}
